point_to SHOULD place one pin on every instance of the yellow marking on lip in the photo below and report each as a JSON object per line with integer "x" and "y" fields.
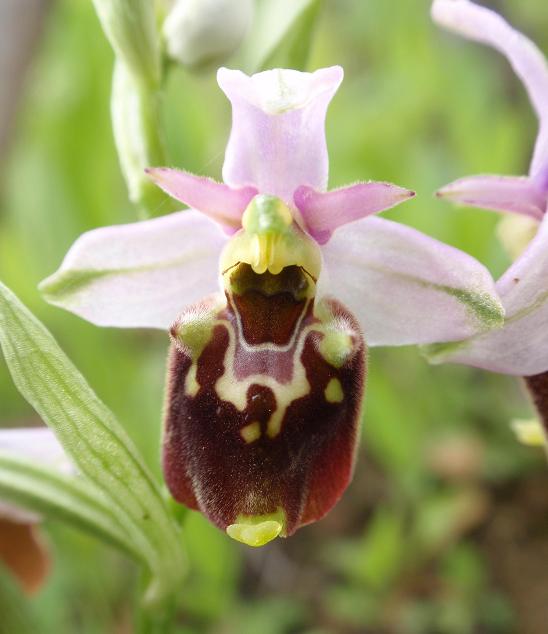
{"x": 336, "y": 346}
{"x": 257, "y": 530}
{"x": 333, "y": 392}
{"x": 251, "y": 432}
{"x": 232, "y": 390}
{"x": 191, "y": 382}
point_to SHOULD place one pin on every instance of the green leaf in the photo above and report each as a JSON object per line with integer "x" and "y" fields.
{"x": 58, "y": 496}
{"x": 94, "y": 440}
{"x": 281, "y": 35}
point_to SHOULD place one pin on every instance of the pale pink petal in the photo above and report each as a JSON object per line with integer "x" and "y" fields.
{"x": 39, "y": 445}
{"x": 521, "y": 346}
{"x": 323, "y": 212}
{"x": 539, "y": 164}
{"x": 277, "y": 140}
{"x": 220, "y": 202}
{"x": 480, "y": 24}
{"x": 407, "y": 288}
{"x": 141, "y": 274}
{"x": 517, "y": 194}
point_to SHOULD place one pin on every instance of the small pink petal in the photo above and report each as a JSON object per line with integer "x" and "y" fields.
{"x": 277, "y": 140}
{"x": 139, "y": 275}
{"x": 324, "y": 212}
{"x": 405, "y": 287}
{"x": 220, "y": 202}
{"x": 516, "y": 194}
{"x": 483, "y": 25}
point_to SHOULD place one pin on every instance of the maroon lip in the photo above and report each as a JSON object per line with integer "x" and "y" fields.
{"x": 210, "y": 466}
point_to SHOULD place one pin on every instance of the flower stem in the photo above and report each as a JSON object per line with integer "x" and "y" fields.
{"x": 136, "y": 121}
{"x": 158, "y": 619}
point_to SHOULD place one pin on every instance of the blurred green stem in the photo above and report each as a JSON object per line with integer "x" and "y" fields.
{"x": 159, "y": 620}
{"x": 131, "y": 28}
{"x": 154, "y": 624}
{"x": 136, "y": 120}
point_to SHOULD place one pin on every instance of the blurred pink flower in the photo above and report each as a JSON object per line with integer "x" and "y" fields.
{"x": 22, "y": 549}
{"x": 521, "y": 346}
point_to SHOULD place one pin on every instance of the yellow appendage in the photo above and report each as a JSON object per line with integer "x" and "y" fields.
{"x": 257, "y": 530}
{"x": 334, "y": 392}
{"x": 251, "y": 432}
{"x": 529, "y": 432}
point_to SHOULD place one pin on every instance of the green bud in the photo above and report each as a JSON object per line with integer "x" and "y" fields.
{"x": 136, "y": 125}
{"x": 130, "y": 26}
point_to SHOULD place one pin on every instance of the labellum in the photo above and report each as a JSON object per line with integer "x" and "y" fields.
{"x": 265, "y": 387}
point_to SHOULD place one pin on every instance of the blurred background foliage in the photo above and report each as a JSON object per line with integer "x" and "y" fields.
{"x": 445, "y": 527}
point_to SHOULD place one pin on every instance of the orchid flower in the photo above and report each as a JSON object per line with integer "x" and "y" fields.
{"x": 22, "y": 549}
{"x": 521, "y": 346}
{"x": 266, "y": 376}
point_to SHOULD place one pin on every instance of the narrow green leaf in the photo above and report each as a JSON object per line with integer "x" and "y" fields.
{"x": 279, "y": 26}
{"x": 94, "y": 440}
{"x": 58, "y": 496}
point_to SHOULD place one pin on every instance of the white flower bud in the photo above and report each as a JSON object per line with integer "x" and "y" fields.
{"x": 201, "y": 32}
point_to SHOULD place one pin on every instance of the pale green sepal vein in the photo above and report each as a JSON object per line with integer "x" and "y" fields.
{"x": 66, "y": 283}
{"x": 94, "y": 440}
{"x": 483, "y": 307}
{"x": 63, "y": 286}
